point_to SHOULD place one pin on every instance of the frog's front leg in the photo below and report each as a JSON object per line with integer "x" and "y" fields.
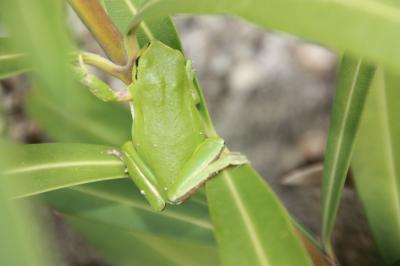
{"x": 207, "y": 160}
{"x": 97, "y": 87}
{"x": 143, "y": 177}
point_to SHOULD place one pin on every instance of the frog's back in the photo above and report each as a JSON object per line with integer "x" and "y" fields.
{"x": 167, "y": 126}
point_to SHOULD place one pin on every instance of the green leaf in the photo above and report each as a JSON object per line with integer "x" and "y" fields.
{"x": 346, "y": 24}
{"x": 353, "y": 82}
{"x": 38, "y": 30}
{"x": 12, "y": 62}
{"x": 23, "y": 240}
{"x": 251, "y": 225}
{"x": 45, "y": 167}
{"x": 122, "y": 12}
{"x": 376, "y": 163}
{"x": 152, "y": 250}
{"x": 121, "y": 197}
{"x": 87, "y": 120}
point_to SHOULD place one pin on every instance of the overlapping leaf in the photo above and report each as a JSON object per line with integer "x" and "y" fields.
{"x": 353, "y": 82}
{"x": 251, "y": 225}
{"x": 376, "y": 163}
{"x": 357, "y": 21}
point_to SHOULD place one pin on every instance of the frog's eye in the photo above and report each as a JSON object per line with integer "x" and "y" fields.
{"x": 135, "y": 68}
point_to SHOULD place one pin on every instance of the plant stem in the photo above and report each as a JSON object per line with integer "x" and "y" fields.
{"x": 103, "y": 29}
{"x": 118, "y": 71}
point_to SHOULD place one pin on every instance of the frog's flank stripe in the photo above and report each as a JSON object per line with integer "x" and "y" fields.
{"x": 144, "y": 26}
{"x": 246, "y": 220}
{"x": 57, "y": 165}
{"x": 141, "y": 205}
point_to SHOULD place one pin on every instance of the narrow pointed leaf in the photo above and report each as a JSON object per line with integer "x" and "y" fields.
{"x": 357, "y": 21}
{"x": 353, "y": 82}
{"x": 152, "y": 250}
{"x": 376, "y": 163}
{"x": 251, "y": 225}
{"x": 44, "y": 167}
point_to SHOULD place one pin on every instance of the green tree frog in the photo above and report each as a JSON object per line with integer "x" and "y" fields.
{"x": 170, "y": 155}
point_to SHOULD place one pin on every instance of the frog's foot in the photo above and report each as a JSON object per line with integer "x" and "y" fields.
{"x": 190, "y": 71}
{"x": 115, "y": 153}
{"x": 234, "y": 158}
{"x": 207, "y": 161}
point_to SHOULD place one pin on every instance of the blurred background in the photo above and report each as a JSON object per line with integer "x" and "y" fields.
{"x": 270, "y": 97}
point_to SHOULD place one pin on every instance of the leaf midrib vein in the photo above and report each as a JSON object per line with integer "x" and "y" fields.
{"x": 58, "y": 165}
{"x": 249, "y": 226}
{"x": 340, "y": 140}
{"x": 388, "y": 140}
{"x": 10, "y": 56}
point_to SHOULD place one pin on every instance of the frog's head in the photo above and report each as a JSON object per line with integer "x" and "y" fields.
{"x": 158, "y": 60}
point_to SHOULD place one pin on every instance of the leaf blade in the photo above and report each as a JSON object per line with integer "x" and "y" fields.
{"x": 376, "y": 164}
{"x": 357, "y": 21}
{"x": 46, "y": 167}
{"x": 154, "y": 250}
{"x": 263, "y": 232}
{"x": 353, "y": 83}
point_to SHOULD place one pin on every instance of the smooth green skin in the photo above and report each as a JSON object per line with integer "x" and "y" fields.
{"x": 170, "y": 155}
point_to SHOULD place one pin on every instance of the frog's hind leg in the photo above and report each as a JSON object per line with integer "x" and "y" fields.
{"x": 143, "y": 177}
{"x": 207, "y": 161}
